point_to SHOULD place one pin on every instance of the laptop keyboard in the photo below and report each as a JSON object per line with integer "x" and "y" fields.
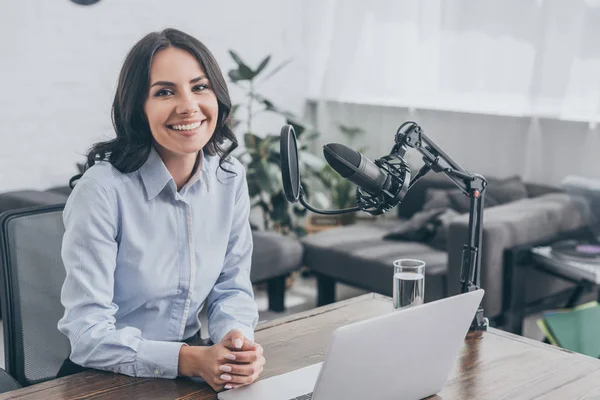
{"x": 306, "y": 396}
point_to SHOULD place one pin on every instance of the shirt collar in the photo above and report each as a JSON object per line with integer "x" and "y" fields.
{"x": 155, "y": 175}
{"x": 196, "y": 177}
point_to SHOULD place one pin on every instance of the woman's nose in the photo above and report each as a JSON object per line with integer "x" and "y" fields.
{"x": 187, "y": 105}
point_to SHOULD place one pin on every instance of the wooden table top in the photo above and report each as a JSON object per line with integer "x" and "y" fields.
{"x": 491, "y": 365}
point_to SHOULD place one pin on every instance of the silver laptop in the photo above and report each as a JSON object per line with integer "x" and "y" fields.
{"x": 406, "y": 354}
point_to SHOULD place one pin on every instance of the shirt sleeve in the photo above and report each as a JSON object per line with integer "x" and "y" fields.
{"x": 89, "y": 253}
{"x": 231, "y": 301}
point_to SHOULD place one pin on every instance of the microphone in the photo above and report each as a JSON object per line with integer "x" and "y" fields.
{"x": 355, "y": 167}
{"x": 381, "y": 184}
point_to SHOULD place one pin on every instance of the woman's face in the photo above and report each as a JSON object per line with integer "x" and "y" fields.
{"x": 181, "y": 108}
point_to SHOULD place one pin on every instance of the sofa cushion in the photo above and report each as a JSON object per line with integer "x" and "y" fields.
{"x": 358, "y": 255}
{"x": 506, "y": 190}
{"x": 274, "y": 255}
{"x": 417, "y": 195}
{"x": 498, "y": 192}
{"x": 428, "y": 226}
{"x": 420, "y": 228}
{"x": 437, "y": 198}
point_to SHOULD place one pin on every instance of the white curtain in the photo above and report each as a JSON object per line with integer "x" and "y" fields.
{"x": 518, "y": 60}
{"x": 508, "y": 57}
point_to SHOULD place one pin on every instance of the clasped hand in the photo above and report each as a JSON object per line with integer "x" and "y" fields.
{"x": 236, "y": 361}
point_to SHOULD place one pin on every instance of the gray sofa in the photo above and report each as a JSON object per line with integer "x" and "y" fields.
{"x": 274, "y": 257}
{"x": 358, "y": 254}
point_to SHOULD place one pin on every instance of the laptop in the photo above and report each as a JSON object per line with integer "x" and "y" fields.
{"x": 406, "y": 354}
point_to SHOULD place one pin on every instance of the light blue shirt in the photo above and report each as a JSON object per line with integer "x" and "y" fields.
{"x": 142, "y": 260}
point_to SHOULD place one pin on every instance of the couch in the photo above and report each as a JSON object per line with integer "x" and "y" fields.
{"x": 362, "y": 254}
{"x": 274, "y": 257}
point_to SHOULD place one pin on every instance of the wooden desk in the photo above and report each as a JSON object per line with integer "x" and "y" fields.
{"x": 492, "y": 365}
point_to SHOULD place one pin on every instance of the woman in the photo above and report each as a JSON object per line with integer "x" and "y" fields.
{"x": 157, "y": 227}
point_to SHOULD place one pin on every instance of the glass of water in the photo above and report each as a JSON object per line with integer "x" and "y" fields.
{"x": 409, "y": 283}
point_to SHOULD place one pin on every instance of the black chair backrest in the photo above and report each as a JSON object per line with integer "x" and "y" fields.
{"x": 32, "y": 276}
{"x": 7, "y": 382}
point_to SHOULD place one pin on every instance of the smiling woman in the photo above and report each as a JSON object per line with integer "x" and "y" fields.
{"x": 150, "y": 63}
{"x": 157, "y": 228}
{"x": 182, "y": 115}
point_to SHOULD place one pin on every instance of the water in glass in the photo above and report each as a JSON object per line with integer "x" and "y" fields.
{"x": 408, "y": 289}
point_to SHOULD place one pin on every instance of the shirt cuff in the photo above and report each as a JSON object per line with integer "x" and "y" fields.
{"x": 220, "y": 332}
{"x": 158, "y": 359}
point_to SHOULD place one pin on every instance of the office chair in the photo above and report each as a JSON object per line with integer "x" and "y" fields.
{"x": 7, "y": 382}
{"x": 32, "y": 274}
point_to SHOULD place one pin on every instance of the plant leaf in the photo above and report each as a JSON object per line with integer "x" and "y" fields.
{"x": 252, "y": 142}
{"x": 276, "y": 70}
{"x": 244, "y": 71}
{"x": 236, "y": 58}
{"x": 311, "y": 135}
{"x": 351, "y": 132}
{"x": 262, "y": 65}
{"x": 312, "y": 161}
{"x": 235, "y": 75}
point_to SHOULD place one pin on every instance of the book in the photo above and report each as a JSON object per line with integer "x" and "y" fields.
{"x": 577, "y": 329}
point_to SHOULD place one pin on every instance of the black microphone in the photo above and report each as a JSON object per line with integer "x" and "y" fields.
{"x": 357, "y": 168}
{"x": 381, "y": 184}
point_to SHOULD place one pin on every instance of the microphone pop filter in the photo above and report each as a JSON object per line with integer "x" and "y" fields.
{"x": 289, "y": 164}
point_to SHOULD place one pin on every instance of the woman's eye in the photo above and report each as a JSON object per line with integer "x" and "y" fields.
{"x": 199, "y": 88}
{"x": 163, "y": 92}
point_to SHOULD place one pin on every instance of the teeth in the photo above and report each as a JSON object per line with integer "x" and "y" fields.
{"x": 187, "y": 127}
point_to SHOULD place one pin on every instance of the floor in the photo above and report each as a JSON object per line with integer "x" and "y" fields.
{"x": 302, "y": 296}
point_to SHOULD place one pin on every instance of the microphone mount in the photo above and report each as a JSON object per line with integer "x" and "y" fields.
{"x": 398, "y": 178}
{"x": 411, "y": 135}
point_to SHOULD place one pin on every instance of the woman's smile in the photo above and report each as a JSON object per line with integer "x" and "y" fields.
{"x": 187, "y": 128}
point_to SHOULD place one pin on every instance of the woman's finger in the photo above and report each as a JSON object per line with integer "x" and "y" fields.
{"x": 246, "y": 357}
{"x": 247, "y": 345}
{"x": 240, "y": 369}
{"x": 233, "y": 379}
{"x": 229, "y": 386}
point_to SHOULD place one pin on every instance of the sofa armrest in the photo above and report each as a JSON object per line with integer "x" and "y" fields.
{"x": 506, "y": 226}
{"x": 274, "y": 255}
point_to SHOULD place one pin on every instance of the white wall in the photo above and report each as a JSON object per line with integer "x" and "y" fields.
{"x": 59, "y": 64}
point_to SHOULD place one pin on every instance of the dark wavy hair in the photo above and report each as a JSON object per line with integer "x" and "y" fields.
{"x": 133, "y": 143}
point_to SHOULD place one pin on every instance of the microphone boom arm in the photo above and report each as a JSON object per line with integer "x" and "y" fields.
{"x": 472, "y": 185}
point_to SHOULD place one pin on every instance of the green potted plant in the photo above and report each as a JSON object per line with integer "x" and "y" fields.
{"x": 260, "y": 153}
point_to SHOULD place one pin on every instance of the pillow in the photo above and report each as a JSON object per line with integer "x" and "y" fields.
{"x": 429, "y": 227}
{"x": 440, "y": 239}
{"x": 506, "y": 190}
{"x": 417, "y": 229}
{"x": 453, "y": 199}
{"x": 497, "y": 192}
{"x": 437, "y": 198}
